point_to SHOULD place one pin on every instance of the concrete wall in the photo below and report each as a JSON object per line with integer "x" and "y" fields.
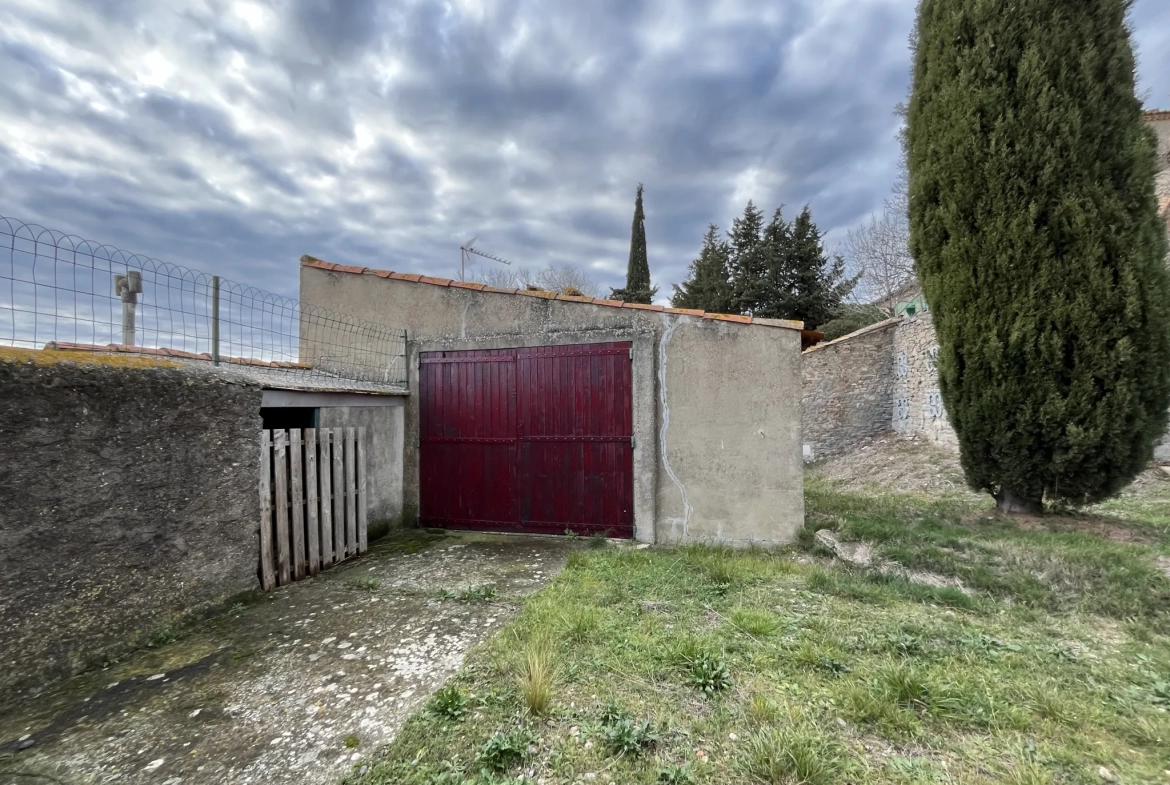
{"x": 385, "y": 430}
{"x": 128, "y": 499}
{"x": 847, "y": 393}
{"x": 700, "y": 388}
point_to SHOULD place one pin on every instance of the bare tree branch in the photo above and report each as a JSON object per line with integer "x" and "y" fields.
{"x": 554, "y": 278}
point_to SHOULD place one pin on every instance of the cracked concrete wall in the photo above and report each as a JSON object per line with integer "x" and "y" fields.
{"x": 128, "y": 499}
{"x": 724, "y": 382}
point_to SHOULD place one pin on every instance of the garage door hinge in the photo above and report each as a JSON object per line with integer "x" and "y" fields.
{"x": 631, "y": 352}
{"x": 633, "y": 443}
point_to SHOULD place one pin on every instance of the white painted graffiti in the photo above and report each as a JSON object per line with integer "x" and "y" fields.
{"x": 932, "y": 358}
{"x": 902, "y": 409}
{"x": 901, "y": 368}
{"x": 934, "y": 404}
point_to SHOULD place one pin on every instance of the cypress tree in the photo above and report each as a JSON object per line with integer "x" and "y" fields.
{"x": 707, "y": 286}
{"x": 1035, "y": 234}
{"x": 637, "y": 288}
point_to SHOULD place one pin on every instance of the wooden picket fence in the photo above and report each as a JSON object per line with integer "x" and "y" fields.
{"x": 312, "y": 501}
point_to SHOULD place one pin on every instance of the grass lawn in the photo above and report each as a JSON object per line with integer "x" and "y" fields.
{"x": 1045, "y": 660}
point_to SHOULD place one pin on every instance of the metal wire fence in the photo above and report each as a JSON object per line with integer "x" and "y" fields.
{"x": 60, "y": 291}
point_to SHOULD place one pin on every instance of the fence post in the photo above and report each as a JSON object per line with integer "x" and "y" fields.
{"x": 128, "y": 287}
{"x": 215, "y": 320}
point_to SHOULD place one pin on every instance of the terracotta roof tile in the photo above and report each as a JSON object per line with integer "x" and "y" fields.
{"x": 1156, "y": 115}
{"x": 730, "y": 317}
{"x": 311, "y": 261}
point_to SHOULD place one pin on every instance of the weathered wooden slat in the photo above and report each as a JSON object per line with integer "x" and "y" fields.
{"x": 363, "y": 539}
{"x": 351, "y": 538}
{"x": 325, "y": 438}
{"x": 313, "y": 533}
{"x": 296, "y": 478}
{"x": 267, "y": 573}
{"x": 280, "y": 464}
{"x": 338, "y": 494}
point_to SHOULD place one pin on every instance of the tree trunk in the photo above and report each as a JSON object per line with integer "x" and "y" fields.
{"x": 1011, "y": 503}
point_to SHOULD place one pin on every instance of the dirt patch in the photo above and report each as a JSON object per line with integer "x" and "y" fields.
{"x": 1067, "y": 524}
{"x": 296, "y": 689}
{"x": 899, "y": 465}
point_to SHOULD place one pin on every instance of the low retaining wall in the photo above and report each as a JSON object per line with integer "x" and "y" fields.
{"x": 128, "y": 500}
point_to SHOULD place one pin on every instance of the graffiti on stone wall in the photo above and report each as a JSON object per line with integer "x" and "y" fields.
{"x": 932, "y": 359}
{"x": 901, "y": 367}
{"x": 934, "y": 405}
{"x": 901, "y": 409}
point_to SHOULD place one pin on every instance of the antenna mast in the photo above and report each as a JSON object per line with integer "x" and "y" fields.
{"x": 467, "y": 250}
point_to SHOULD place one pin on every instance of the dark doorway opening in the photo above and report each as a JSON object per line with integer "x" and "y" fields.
{"x": 284, "y": 417}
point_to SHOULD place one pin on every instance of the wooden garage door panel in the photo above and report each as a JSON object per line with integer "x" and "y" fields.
{"x": 535, "y": 439}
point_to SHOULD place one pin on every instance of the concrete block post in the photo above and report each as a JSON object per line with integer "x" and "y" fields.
{"x": 128, "y": 287}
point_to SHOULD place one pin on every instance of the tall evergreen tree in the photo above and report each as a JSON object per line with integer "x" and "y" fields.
{"x": 637, "y": 288}
{"x": 708, "y": 285}
{"x": 1035, "y": 234}
{"x": 746, "y": 262}
{"x": 811, "y": 286}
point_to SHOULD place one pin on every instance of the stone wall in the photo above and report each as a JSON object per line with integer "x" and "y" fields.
{"x": 128, "y": 500}
{"x": 847, "y": 390}
{"x": 918, "y": 407}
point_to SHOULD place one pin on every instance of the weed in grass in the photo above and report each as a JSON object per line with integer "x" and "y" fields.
{"x": 795, "y": 755}
{"x": 809, "y": 655}
{"x": 505, "y": 749}
{"x": 597, "y": 541}
{"x": 1160, "y": 694}
{"x": 364, "y": 583}
{"x": 709, "y": 673}
{"x": 864, "y": 703}
{"x": 163, "y": 635}
{"x": 577, "y": 560}
{"x": 449, "y": 702}
{"x": 676, "y": 774}
{"x": 477, "y": 595}
{"x": 537, "y": 676}
{"x": 627, "y": 736}
{"x": 579, "y": 623}
{"x": 1047, "y": 702}
{"x": 754, "y": 622}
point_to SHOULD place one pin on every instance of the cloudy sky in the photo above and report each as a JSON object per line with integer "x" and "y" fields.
{"x": 235, "y": 136}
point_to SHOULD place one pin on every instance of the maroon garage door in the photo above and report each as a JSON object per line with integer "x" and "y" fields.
{"x": 528, "y": 440}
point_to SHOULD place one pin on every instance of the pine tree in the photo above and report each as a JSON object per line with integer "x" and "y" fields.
{"x": 637, "y": 288}
{"x": 1035, "y": 234}
{"x": 707, "y": 286}
{"x": 799, "y": 280}
{"x": 746, "y": 262}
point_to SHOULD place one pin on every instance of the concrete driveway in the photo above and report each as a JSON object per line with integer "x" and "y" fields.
{"x": 294, "y": 689}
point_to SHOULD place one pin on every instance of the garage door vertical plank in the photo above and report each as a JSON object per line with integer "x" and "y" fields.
{"x": 362, "y": 523}
{"x": 267, "y": 572}
{"x": 313, "y": 529}
{"x": 325, "y": 439}
{"x": 351, "y": 539}
{"x": 338, "y": 494}
{"x": 280, "y": 464}
{"x": 298, "y": 502}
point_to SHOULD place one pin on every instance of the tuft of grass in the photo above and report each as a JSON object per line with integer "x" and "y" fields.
{"x": 579, "y": 623}
{"x": 477, "y": 595}
{"x": 505, "y": 749}
{"x": 449, "y": 702}
{"x": 352, "y": 741}
{"x": 364, "y": 583}
{"x": 795, "y": 755}
{"x": 676, "y": 774}
{"x": 754, "y": 622}
{"x": 167, "y": 633}
{"x": 537, "y": 676}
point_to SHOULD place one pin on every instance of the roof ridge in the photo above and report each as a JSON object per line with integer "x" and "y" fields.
{"x": 1156, "y": 114}
{"x": 321, "y": 264}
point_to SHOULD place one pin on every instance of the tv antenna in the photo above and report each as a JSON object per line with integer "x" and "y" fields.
{"x": 467, "y": 250}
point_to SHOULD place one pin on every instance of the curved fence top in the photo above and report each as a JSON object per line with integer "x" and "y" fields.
{"x": 59, "y": 290}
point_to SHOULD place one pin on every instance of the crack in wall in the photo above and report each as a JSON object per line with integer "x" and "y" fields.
{"x": 687, "y": 509}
